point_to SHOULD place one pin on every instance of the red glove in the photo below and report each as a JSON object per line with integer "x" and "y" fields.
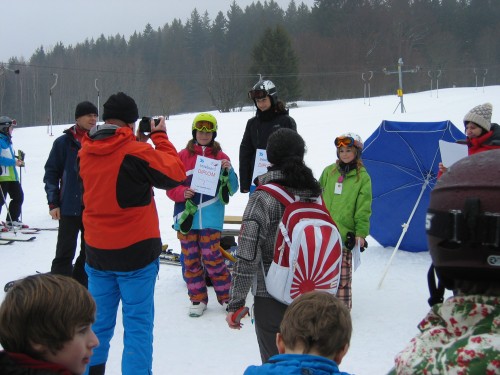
{"x": 239, "y": 314}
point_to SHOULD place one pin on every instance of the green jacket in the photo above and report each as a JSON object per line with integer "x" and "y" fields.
{"x": 352, "y": 209}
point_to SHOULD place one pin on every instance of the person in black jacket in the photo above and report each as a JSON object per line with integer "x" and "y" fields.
{"x": 271, "y": 115}
{"x": 64, "y": 194}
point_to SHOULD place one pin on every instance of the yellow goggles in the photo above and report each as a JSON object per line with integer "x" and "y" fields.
{"x": 205, "y": 126}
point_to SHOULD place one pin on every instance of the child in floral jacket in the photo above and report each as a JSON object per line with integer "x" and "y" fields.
{"x": 462, "y": 334}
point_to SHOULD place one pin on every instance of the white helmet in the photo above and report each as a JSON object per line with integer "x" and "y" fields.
{"x": 349, "y": 139}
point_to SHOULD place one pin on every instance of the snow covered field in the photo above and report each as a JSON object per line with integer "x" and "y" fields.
{"x": 384, "y": 319}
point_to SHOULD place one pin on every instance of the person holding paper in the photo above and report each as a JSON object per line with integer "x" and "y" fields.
{"x": 347, "y": 193}
{"x": 199, "y": 213}
{"x": 271, "y": 115}
{"x": 482, "y": 135}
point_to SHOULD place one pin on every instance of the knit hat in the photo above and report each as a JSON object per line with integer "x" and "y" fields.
{"x": 285, "y": 144}
{"x": 85, "y": 108}
{"x": 122, "y": 107}
{"x": 480, "y": 115}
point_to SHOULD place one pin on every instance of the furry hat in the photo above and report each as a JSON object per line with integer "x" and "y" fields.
{"x": 85, "y": 108}
{"x": 285, "y": 144}
{"x": 480, "y": 115}
{"x": 122, "y": 107}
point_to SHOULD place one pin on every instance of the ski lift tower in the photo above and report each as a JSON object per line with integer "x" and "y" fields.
{"x": 95, "y": 84}
{"x": 50, "y": 103}
{"x": 400, "y": 74}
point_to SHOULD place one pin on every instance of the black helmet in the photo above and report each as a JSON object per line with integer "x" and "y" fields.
{"x": 463, "y": 221}
{"x": 262, "y": 89}
{"x": 6, "y": 122}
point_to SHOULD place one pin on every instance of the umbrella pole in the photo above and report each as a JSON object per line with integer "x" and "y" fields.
{"x": 405, "y": 229}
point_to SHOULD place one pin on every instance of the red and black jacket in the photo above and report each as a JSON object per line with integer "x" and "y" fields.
{"x": 120, "y": 218}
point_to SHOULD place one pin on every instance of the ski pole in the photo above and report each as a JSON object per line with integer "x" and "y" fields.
{"x": 20, "y": 156}
{"x": 7, "y": 207}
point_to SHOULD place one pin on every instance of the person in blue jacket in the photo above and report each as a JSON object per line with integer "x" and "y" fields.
{"x": 314, "y": 337}
{"x": 9, "y": 178}
{"x": 64, "y": 194}
{"x": 205, "y": 213}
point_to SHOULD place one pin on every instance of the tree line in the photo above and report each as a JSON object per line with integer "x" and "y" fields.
{"x": 331, "y": 50}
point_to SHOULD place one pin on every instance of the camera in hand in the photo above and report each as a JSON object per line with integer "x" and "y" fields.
{"x": 145, "y": 124}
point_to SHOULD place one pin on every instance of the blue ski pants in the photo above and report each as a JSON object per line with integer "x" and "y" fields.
{"x": 135, "y": 289}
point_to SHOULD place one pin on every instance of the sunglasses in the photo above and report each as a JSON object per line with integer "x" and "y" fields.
{"x": 344, "y": 141}
{"x": 257, "y": 94}
{"x": 205, "y": 126}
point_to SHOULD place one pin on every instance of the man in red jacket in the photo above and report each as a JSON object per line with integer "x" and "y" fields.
{"x": 122, "y": 229}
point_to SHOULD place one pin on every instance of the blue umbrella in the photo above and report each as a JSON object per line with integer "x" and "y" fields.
{"x": 402, "y": 159}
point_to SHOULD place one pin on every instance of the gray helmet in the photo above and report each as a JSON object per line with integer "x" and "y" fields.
{"x": 463, "y": 221}
{"x": 262, "y": 89}
{"x": 6, "y": 122}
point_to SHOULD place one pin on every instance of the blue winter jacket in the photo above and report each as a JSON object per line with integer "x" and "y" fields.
{"x": 296, "y": 364}
{"x": 7, "y": 159}
{"x": 62, "y": 183}
{"x": 210, "y": 214}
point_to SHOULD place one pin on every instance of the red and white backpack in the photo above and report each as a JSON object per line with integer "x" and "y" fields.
{"x": 307, "y": 251}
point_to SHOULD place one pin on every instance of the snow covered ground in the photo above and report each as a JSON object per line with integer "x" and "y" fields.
{"x": 384, "y": 319}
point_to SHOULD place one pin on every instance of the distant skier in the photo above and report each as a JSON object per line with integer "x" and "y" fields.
{"x": 9, "y": 178}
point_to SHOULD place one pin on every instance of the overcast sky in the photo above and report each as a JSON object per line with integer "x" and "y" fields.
{"x": 29, "y": 24}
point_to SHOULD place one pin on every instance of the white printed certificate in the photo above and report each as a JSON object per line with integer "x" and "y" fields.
{"x": 206, "y": 175}
{"x": 261, "y": 163}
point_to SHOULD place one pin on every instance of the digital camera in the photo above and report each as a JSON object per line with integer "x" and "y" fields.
{"x": 145, "y": 124}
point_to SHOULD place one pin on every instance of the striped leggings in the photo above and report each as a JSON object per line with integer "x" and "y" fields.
{"x": 200, "y": 250}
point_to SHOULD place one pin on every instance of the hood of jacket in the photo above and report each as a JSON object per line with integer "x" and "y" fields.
{"x": 105, "y": 139}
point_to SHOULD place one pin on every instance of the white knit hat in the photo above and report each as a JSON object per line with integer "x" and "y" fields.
{"x": 480, "y": 115}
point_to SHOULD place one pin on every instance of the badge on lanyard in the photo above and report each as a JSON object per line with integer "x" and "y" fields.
{"x": 338, "y": 185}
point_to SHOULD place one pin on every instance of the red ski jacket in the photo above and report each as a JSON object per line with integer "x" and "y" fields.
{"x": 120, "y": 218}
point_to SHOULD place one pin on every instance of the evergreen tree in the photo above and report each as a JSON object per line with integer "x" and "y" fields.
{"x": 274, "y": 58}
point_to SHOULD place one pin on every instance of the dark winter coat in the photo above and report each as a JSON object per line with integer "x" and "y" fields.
{"x": 21, "y": 364}
{"x": 257, "y": 132}
{"x": 256, "y": 240}
{"x": 62, "y": 183}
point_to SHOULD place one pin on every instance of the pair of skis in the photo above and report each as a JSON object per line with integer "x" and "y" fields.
{"x": 20, "y": 235}
{"x": 167, "y": 256}
{"x": 7, "y": 239}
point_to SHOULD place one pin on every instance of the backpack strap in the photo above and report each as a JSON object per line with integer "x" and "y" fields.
{"x": 278, "y": 192}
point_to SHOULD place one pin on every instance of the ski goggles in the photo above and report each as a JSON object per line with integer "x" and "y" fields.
{"x": 9, "y": 123}
{"x": 205, "y": 126}
{"x": 344, "y": 141}
{"x": 257, "y": 94}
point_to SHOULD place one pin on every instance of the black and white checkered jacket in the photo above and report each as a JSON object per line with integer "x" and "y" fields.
{"x": 256, "y": 241}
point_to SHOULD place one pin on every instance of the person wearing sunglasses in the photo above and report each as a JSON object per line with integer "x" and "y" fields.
{"x": 199, "y": 218}
{"x": 347, "y": 193}
{"x": 270, "y": 116}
